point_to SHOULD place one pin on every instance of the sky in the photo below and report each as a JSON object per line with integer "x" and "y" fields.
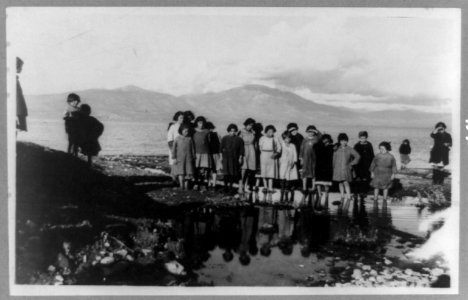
{"x": 353, "y": 57}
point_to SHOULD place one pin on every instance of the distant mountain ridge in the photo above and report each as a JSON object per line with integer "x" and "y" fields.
{"x": 134, "y": 104}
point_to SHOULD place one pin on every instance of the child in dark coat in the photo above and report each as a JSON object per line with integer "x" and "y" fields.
{"x": 405, "y": 151}
{"x": 71, "y": 117}
{"x": 90, "y": 130}
{"x": 361, "y": 169}
{"x": 232, "y": 149}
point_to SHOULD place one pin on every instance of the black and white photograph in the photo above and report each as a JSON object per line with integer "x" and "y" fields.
{"x": 233, "y": 150}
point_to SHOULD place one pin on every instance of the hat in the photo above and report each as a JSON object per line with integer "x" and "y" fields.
{"x": 292, "y": 127}
{"x": 311, "y": 128}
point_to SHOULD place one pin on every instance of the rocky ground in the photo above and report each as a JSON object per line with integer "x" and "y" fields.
{"x": 109, "y": 225}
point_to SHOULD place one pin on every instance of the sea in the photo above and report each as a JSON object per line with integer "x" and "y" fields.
{"x": 145, "y": 138}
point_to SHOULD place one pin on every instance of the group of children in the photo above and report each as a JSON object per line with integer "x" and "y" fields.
{"x": 253, "y": 155}
{"x": 82, "y": 129}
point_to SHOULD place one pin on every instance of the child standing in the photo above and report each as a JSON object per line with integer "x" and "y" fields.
{"x": 232, "y": 149}
{"x": 183, "y": 153}
{"x": 307, "y": 159}
{"x": 270, "y": 151}
{"x": 214, "y": 150}
{"x": 344, "y": 158}
{"x": 405, "y": 151}
{"x": 90, "y": 130}
{"x": 383, "y": 170}
{"x": 258, "y": 129}
{"x": 172, "y": 134}
{"x": 71, "y": 119}
{"x": 202, "y": 154}
{"x": 324, "y": 167}
{"x": 361, "y": 169}
{"x": 288, "y": 162}
{"x": 247, "y": 134}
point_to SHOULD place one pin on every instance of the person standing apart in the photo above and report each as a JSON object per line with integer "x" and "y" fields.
{"x": 172, "y": 134}
{"x": 71, "y": 117}
{"x": 361, "y": 169}
{"x": 183, "y": 153}
{"x": 405, "y": 151}
{"x": 232, "y": 149}
{"x": 90, "y": 129}
{"x": 383, "y": 170}
{"x": 21, "y": 108}
{"x": 270, "y": 149}
{"x": 344, "y": 158}
{"x": 307, "y": 159}
{"x": 288, "y": 162}
{"x": 440, "y": 152}
{"x": 247, "y": 134}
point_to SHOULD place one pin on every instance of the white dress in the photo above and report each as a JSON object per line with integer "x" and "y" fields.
{"x": 269, "y": 167}
{"x": 172, "y": 133}
{"x": 288, "y": 161}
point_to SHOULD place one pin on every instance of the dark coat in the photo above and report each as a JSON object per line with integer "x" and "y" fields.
{"x": 366, "y": 151}
{"x": 440, "y": 152}
{"x": 232, "y": 148}
{"x": 324, "y": 162}
{"x": 90, "y": 130}
{"x": 21, "y": 108}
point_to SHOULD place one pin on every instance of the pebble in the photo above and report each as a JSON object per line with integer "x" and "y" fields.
{"x": 107, "y": 260}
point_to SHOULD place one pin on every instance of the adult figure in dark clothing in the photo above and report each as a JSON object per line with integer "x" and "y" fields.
{"x": 324, "y": 150}
{"x": 440, "y": 151}
{"x": 363, "y": 175}
{"x": 90, "y": 130}
{"x": 296, "y": 139}
{"x": 21, "y": 108}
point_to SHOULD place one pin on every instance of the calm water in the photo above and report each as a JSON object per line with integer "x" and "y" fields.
{"x": 150, "y": 138}
{"x": 267, "y": 246}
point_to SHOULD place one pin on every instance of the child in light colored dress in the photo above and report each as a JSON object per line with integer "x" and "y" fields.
{"x": 247, "y": 134}
{"x": 288, "y": 162}
{"x": 172, "y": 134}
{"x": 183, "y": 153}
{"x": 383, "y": 170}
{"x": 344, "y": 158}
{"x": 270, "y": 149}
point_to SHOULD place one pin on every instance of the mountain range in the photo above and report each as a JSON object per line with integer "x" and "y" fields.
{"x": 134, "y": 104}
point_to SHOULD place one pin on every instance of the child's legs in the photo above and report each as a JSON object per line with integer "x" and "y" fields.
{"x": 304, "y": 183}
{"x": 376, "y": 194}
{"x": 181, "y": 181}
{"x": 385, "y": 194}
{"x": 270, "y": 184}
{"x": 265, "y": 183}
{"x": 347, "y": 189}
{"x": 341, "y": 186}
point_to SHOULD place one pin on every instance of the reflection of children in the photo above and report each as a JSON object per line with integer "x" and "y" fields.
{"x": 71, "y": 116}
{"x": 405, "y": 151}
{"x": 183, "y": 153}
{"x": 90, "y": 130}
{"x": 288, "y": 161}
{"x": 383, "y": 169}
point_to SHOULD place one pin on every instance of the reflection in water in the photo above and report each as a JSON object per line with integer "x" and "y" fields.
{"x": 256, "y": 232}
